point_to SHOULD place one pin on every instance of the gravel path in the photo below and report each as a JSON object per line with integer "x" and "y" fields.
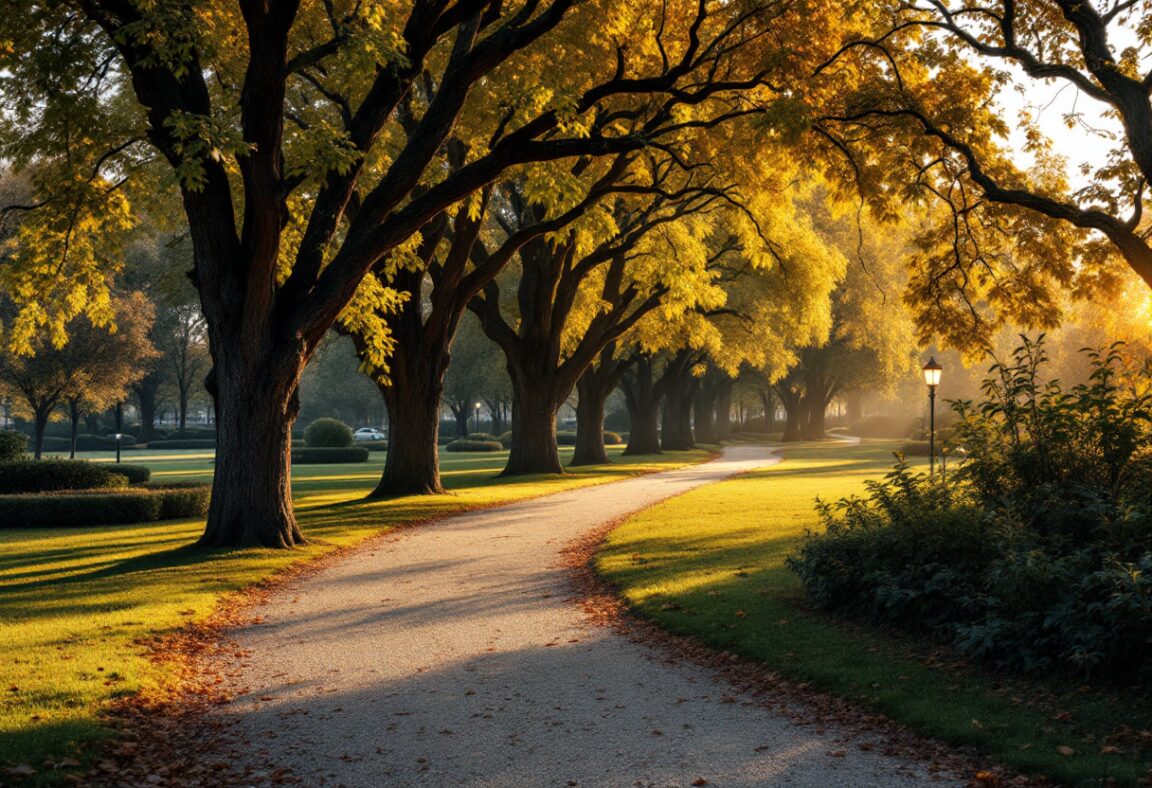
{"x": 451, "y": 655}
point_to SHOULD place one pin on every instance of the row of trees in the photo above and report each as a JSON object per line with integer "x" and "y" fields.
{"x": 385, "y": 167}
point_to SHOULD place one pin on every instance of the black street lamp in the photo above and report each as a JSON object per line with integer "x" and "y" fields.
{"x": 119, "y": 435}
{"x": 932, "y": 378}
{"x": 477, "y": 416}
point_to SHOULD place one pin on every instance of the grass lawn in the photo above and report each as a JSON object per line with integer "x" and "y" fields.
{"x": 78, "y": 604}
{"x": 710, "y": 564}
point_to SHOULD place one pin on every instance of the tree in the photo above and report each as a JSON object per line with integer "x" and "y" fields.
{"x": 297, "y": 178}
{"x": 1004, "y": 242}
{"x": 95, "y": 367}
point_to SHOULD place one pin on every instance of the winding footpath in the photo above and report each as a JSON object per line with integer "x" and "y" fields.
{"x": 452, "y": 654}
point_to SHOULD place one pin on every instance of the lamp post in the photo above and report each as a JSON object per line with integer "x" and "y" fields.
{"x": 932, "y": 378}
{"x": 477, "y": 416}
{"x": 119, "y": 435}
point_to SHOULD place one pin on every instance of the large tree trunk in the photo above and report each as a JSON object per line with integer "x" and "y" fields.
{"x": 412, "y": 465}
{"x": 793, "y": 413}
{"x": 853, "y": 406}
{"x": 594, "y": 388}
{"x": 642, "y": 399}
{"x": 722, "y": 419}
{"x": 590, "y": 427}
{"x": 74, "y": 421}
{"x": 39, "y": 425}
{"x": 183, "y": 406}
{"x": 704, "y": 410}
{"x": 534, "y": 407}
{"x": 676, "y": 423}
{"x": 146, "y": 396}
{"x": 256, "y": 403}
{"x": 460, "y": 413}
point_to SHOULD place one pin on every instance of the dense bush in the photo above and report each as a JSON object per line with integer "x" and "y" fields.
{"x": 482, "y": 436}
{"x": 27, "y": 476}
{"x": 374, "y": 445}
{"x": 468, "y": 444}
{"x": 136, "y": 474}
{"x": 183, "y": 444}
{"x": 612, "y": 438}
{"x": 1037, "y": 551}
{"x": 881, "y": 426}
{"x": 319, "y": 455}
{"x": 328, "y": 434}
{"x": 506, "y": 439}
{"x": 12, "y": 445}
{"x": 104, "y": 507}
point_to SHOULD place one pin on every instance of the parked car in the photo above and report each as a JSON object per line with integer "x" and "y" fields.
{"x": 369, "y": 434}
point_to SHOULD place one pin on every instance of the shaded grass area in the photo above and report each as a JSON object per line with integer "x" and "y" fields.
{"x": 710, "y": 564}
{"x": 78, "y": 605}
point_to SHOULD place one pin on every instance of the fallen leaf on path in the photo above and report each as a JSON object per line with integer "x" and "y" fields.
{"x": 1065, "y": 750}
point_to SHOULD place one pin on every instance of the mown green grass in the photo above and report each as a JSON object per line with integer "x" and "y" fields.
{"x": 710, "y": 564}
{"x": 77, "y": 604}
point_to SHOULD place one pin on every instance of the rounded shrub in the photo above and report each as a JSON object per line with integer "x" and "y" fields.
{"x": 506, "y": 439}
{"x": 28, "y": 476}
{"x": 329, "y": 434}
{"x": 136, "y": 474}
{"x": 612, "y": 438}
{"x": 12, "y": 445}
{"x": 320, "y": 455}
{"x": 69, "y": 509}
{"x": 467, "y": 444}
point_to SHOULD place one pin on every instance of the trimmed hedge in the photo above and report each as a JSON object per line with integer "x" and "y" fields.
{"x": 12, "y": 445}
{"x": 328, "y": 434}
{"x": 104, "y": 507}
{"x": 319, "y": 455}
{"x": 506, "y": 440}
{"x": 374, "y": 445}
{"x": 136, "y": 474}
{"x": 467, "y": 444}
{"x": 182, "y": 444}
{"x": 85, "y": 442}
{"x": 33, "y": 476}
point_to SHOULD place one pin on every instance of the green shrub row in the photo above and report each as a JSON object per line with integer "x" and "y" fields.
{"x": 191, "y": 443}
{"x": 374, "y": 445}
{"x": 12, "y": 445}
{"x": 104, "y": 507}
{"x": 468, "y": 444}
{"x": 192, "y": 433}
{"x": 1036, "y": 552}
{"x": 313, "y": 455}
{"x": 29, "y": 476}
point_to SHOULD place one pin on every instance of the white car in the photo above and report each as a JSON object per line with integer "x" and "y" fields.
{"x": 369, "y": 434}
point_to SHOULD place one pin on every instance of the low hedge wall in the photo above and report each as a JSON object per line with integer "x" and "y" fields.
{"x": 32, "y": 476}
{"x": 191, "y": 443}
{"x": 319, "y": 455}
{"x": 104, "y": 507}
{"x": 374, "y": 445}
{"x": 467, "y": 444}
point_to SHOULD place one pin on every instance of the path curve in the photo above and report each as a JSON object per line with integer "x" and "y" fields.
{"x": 451, "y": 654}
